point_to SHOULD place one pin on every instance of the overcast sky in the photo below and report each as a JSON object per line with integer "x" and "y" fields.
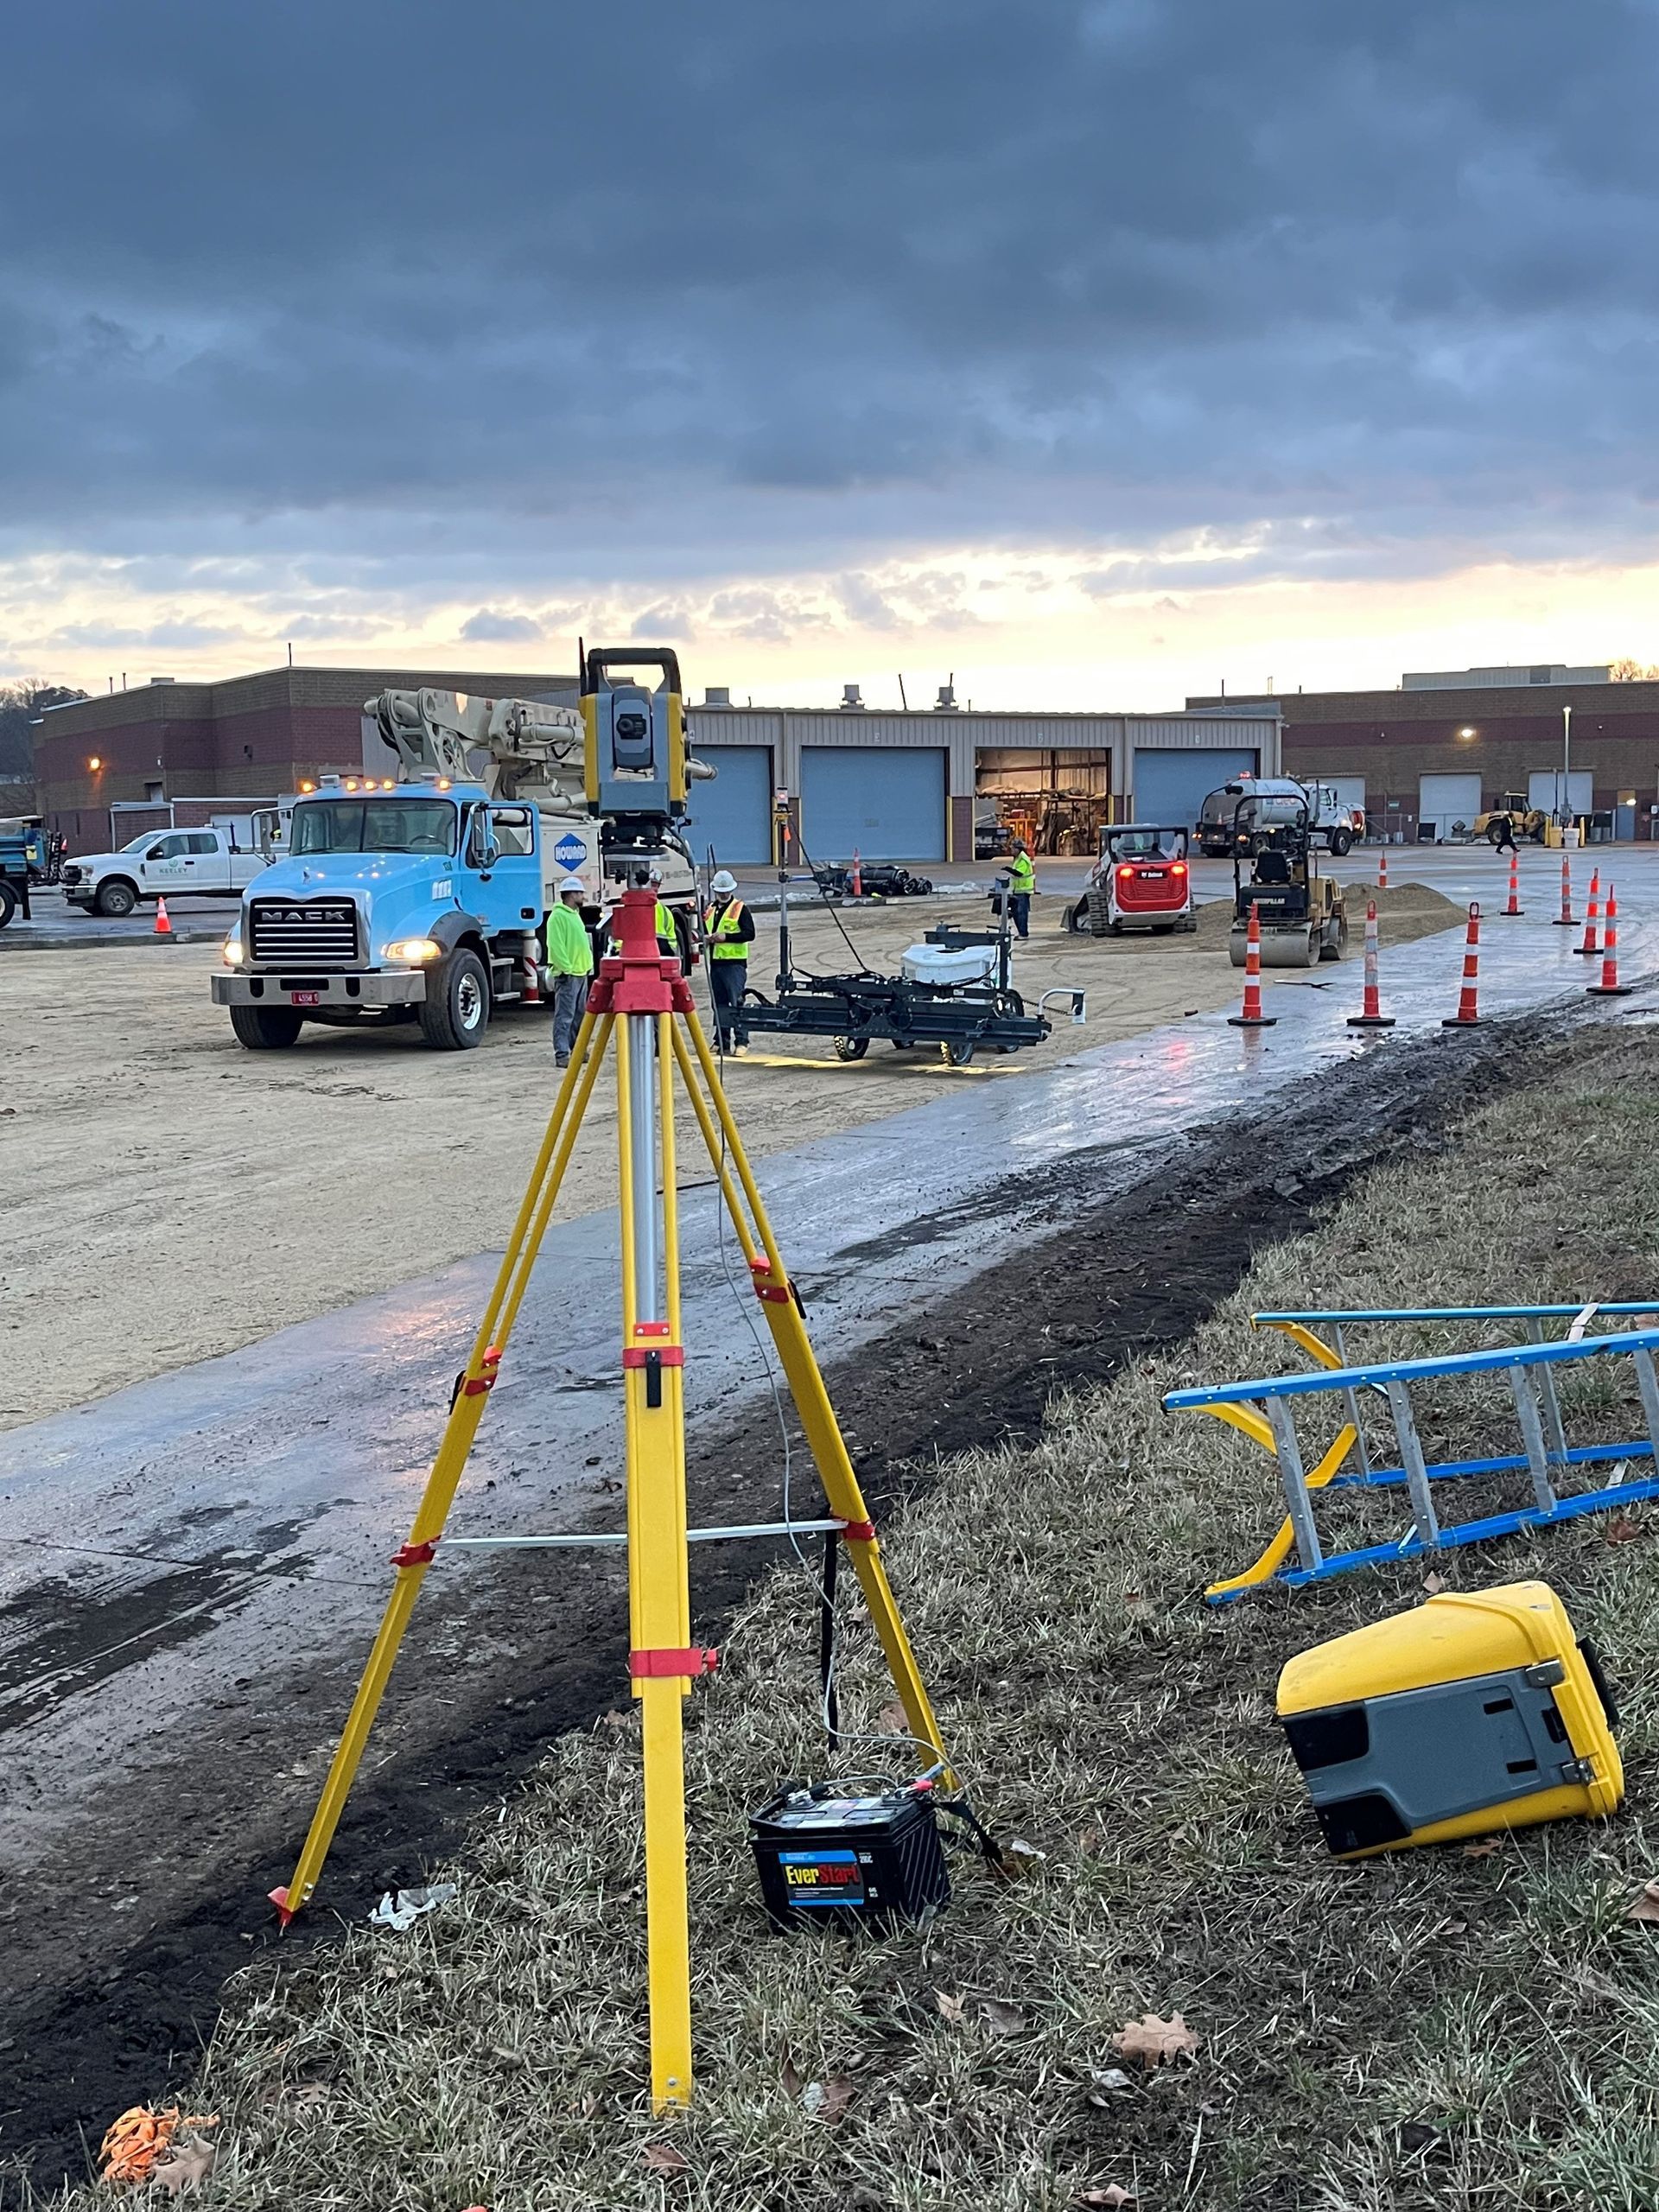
{"x": 1091, "y": 352}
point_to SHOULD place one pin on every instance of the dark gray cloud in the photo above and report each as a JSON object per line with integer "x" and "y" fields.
{"x": 395, "y": 290}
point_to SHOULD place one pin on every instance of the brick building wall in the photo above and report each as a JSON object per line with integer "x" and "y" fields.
{"x": 250, "y": 736}
{"x": 1394, "y": 737}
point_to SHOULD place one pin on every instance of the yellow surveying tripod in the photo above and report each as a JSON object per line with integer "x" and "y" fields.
{"x": 651, "y": 999}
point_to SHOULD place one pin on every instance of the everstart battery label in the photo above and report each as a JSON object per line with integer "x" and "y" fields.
{"x": 823, "y": 1877}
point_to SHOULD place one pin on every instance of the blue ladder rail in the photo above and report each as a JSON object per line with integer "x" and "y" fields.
{"x": 1273, "y": 1398}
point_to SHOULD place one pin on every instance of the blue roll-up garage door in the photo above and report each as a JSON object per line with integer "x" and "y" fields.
{"x": 1171, "y": 785}
{"x": 733, "y": 813}
{"x": 889, "y": 805}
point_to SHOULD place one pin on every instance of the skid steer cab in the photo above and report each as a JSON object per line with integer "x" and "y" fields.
{"x": 1303, "y": 914}
{"x": 1142, "y": 881}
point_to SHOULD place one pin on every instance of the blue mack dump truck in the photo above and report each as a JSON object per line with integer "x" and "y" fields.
{"x": 422, "y": 898}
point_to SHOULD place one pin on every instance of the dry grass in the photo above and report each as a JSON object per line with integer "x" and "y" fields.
{"x": 1430, "y": 2030}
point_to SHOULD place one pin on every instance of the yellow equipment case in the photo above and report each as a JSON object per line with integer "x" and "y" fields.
{"x": 1468, "y": 1714}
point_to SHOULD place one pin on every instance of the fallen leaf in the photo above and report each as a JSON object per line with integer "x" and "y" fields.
{"x": 1155, "y": 2041}
{"x": 664, "y": 2159}
{"x": 833, "y": 2098}
{"x": 789, "y": 2079}
{"x": 1111, "y": 2194}
{"x": 189, "y": 2164}
{"x": 1133, "y": 1599}
{"x": 952, "y": 2007}
{"x": 892, "y": 1720}
{"x": 1016, "y": 1859}
{"x": 1644, "y": 1905}
{"x": 1003, "y": 2019}
{"x": 1433, "y": 1584}
{"x": 1484, "y": 1849}
{"x": 1109, "y": 2082}
{"x": 1621, "y": 1529}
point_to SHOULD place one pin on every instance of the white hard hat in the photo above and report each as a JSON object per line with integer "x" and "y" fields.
{"x": 724, "y": 882}
{"x": 655, "y": 875}
{"x": 573, "y": 883}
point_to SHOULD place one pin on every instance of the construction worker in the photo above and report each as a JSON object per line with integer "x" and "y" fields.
{"x": 1022, "y": 882}
{"x": 668, "y": 935}
{"x": 728, "y": 927}
{"x": 569, "y": 966}
{"x": 1504, "y": 824}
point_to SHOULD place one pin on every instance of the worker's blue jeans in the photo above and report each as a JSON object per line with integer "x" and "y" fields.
{"x": 569, "y": 1002}
{"x": 728, "y": 981}
{"x": 1020, "y": 908}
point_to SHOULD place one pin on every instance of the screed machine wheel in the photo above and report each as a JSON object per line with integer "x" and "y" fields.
{"x": 851, "y": 1048}
{"x": 266, "y": 1028}
{"x": 455, "y": 1011}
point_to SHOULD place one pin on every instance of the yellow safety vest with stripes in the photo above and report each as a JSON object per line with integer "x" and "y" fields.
{"x": 1022, "y": 876}
{"x": 722, "y": 924}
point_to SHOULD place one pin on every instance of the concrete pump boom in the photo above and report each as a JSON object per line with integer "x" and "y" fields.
{"x": 532, "y": 752}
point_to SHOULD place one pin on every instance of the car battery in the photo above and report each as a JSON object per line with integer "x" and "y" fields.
{"x": 1468, "y": 1714}
{"x": 827, "y": 1853}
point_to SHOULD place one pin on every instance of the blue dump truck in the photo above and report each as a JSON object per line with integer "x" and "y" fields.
{"x": 422, "y": 898}
{"x": 17, "y": 860}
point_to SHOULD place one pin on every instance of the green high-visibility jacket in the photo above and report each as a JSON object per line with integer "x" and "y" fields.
{"x": 569, "y": 947}
{"x": 727, "y": 938}
{"x": 1022, "y": 876}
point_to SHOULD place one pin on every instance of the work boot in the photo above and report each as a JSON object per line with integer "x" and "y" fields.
{"x": 561, "y": 1059}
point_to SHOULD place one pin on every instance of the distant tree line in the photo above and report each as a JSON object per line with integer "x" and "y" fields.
{"x": 1631, "y": 672}
{"x": 20, "y": 705}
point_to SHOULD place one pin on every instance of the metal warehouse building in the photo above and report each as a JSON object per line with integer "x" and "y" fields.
{"x": 903, "y": 786}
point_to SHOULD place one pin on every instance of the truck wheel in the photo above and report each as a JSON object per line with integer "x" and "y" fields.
{"x": 115, "y": 899}
{"x": 456, "y": 1012}
{"x": 266, "y": 1028}
{"x": 1342, "y": 842}
{"x": 8, "y": 902}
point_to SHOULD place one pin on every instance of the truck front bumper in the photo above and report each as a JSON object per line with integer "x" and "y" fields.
{"x": 294, "y": 988}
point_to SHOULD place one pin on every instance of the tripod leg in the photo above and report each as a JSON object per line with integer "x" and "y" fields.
{"x": 817, "y": 1416}
{"x": 661, "y": 1663}
{"x": 466, "y": 1411}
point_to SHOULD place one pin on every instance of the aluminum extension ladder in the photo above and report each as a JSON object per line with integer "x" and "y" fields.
{"x": 1264, "y": 1411}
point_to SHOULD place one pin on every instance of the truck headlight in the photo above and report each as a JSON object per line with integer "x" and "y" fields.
{"x": 231, "y": 952}
{"x": 416, "y": 949}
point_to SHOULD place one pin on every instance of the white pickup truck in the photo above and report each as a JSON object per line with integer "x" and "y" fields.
{"x": 214, "y": 864}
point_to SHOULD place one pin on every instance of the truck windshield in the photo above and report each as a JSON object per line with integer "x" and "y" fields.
{"x": 373, "y": 825}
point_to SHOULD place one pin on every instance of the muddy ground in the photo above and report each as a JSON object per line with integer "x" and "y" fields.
{"x": 120, "y": 2011}
{"x": 168, "y": 1196}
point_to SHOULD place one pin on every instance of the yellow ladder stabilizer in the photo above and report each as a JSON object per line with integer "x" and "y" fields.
{"x": 1278, "y": 1551}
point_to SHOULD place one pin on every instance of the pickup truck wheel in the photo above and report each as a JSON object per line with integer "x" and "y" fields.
{"x": 455, "y": 1011}
{"x": 266, "y": 1028}
{"x": 1342, "y": 843}
{"x": 115, "y": 899}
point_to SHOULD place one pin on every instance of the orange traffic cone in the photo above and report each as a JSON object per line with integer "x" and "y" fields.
{"x": 1610, "y": 987}
{"x": 163, "y": 927}
{"x": 1564, "y": 920}
{"x": 1467, "y": 1015}
{"x": 858, "y": 876}
{"x": 1373, "y": 1016}
{"x": 1252, "y": 1016}
{"x": 1514, "y": 906}
{"x": 1588, "y": 948}
{"x": 1383, "y": 868}
{"x": 532, "y": 992}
